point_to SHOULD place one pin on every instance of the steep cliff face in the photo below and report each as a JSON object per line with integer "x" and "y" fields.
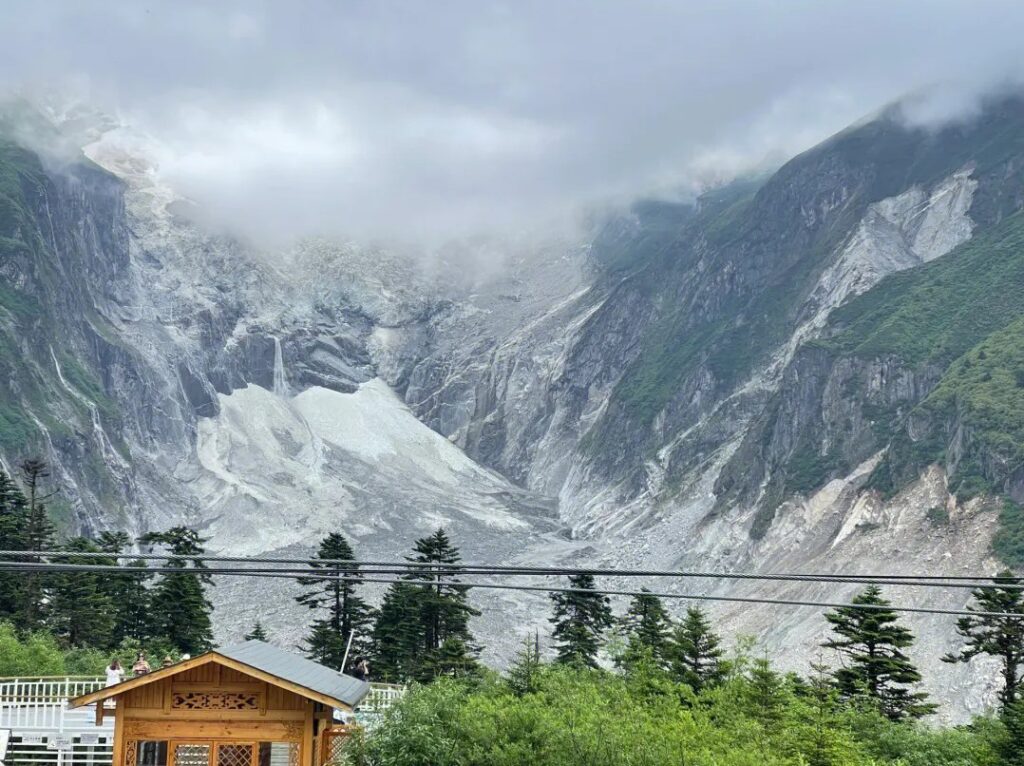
{"x": 703, "y": 328}
{"x": 790, "y": 373}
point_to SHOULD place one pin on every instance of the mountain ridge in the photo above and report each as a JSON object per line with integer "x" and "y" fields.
{"x": 694, "y": 386}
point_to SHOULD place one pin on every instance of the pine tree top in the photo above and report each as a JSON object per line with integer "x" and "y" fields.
{"x": 435, "y": 548}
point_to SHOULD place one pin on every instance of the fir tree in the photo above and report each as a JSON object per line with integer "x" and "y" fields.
{"x": 1011, "y": 749}
{"x": 38, "y": 535}
{"x": 257, "y": 633}
{"x": 13, "y": 518}
{"x": 524, "y": 674}
{"x": 766, "y": 692}
{"x": 873, "y": 642}
{"x": 580, "y": 618}
{"x": 453, "y": 658}
{"x": 695, "y": 654}
{"x": 39, "y": 531}
{"x": 81, "y": 612}
{"x": 396, "y": 634}
{"x": 128, "y": 593}
{"x": 324, "y": 644}
{"x": 333, "y": 588}
{"x": 825, "y": 743}
{"x": 647, "y": 628}
{"x": 1000, "y": 637}
{"x": 180, "y": 609}
{"x": 442, "y": 606}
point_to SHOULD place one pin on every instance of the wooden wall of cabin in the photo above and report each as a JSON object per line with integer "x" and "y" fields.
{"x": 213, "y": 702}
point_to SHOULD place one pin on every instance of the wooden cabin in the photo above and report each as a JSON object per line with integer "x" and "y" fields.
{"x": 246, "y": 705}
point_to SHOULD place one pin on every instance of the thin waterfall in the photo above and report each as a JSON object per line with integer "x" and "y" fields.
{"x": 280, "y": 380}
{"x": 94, "y": 412}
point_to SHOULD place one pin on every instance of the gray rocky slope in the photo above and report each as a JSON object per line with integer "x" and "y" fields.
{"x": 639, "y": 398}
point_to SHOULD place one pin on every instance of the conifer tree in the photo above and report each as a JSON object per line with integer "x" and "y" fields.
{"x": 453, "y": 658}
{"x": 334, "y": 588}
{"x": 1011, "y": 749}
{"x": 826, "y": 745}
{"x": 442, "y": 607}
{"x": 13, "y": 517}
{"x": 524, "y": 674}
{"x": 647, "y": 627}
{"x": 323, "y": 644}
{"x": 695, "y": 653}
{"x": 1000, "y": 637}
{"x": 128, "y": 593}
{"x": 766, "y": 691}
{"x": 257, "y": 633}
{"x": 81, "y": 613}
{"x": 180, "y": 609}
{"x": 38, "y": 535}
{"x": 580, "y": 618}
{"x": 397, "y": 650}
{"x": 872, "y": 641}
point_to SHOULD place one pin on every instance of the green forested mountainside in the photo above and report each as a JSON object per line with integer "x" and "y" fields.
{"x": 728, "y": 288}
{"x": 964, "y": 314}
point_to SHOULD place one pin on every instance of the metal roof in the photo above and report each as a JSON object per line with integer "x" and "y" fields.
{"x": 298, "y": 670}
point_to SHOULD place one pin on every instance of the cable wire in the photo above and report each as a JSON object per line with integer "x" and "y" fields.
{"x": 951, "y": 581}
{"x": 143, "y": 572}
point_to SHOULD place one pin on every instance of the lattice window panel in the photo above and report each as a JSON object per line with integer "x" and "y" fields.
{"x": 215, "y": 701}
{"x": 192, "y": 755}
{"x": 234, "y": 755}
{"x": 334, "y": 744}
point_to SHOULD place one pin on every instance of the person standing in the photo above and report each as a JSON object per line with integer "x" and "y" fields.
{"x": 141, "y": 667}
{"x": 361, "y": 669}
{"x": 115, "y": 674}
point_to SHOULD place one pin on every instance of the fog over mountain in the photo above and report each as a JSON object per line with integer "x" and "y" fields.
{"x": 434, "y": 121}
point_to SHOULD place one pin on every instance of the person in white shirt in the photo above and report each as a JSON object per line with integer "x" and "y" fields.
{"x": 114, "y": 673}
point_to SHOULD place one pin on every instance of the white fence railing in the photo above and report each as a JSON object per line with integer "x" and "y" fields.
{"x": 40, "y": 704}
{"x": 380, "y": 698}
{"x": 47, "y": 689}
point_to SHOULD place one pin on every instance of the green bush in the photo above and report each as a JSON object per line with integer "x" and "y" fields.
{"x": 755, "y": 718}
{"x": 33, "y": 655}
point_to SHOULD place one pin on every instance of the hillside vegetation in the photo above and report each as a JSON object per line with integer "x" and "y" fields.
{"x": 963, "y": 314}
{"x": 572, "y": 717}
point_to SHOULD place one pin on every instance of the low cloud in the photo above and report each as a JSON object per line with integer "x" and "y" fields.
{"x": 435, "y": 120}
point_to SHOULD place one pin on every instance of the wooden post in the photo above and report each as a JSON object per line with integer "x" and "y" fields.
{"x": 117, "y": 756}
{"x": 307, "y": 756}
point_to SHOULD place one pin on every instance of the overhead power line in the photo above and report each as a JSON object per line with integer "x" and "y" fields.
{"x": 269, "y": 573}
{"x": 400, "y": 567}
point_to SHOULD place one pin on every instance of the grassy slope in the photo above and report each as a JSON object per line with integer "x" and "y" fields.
{"x": 935, "y": 313}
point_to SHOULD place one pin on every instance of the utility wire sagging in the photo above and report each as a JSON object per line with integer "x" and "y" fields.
{"x": 429, "y": 574}
{"x": 401, "y": 567}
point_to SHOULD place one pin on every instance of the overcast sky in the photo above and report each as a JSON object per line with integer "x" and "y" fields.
{"x": 435, "y": 119}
